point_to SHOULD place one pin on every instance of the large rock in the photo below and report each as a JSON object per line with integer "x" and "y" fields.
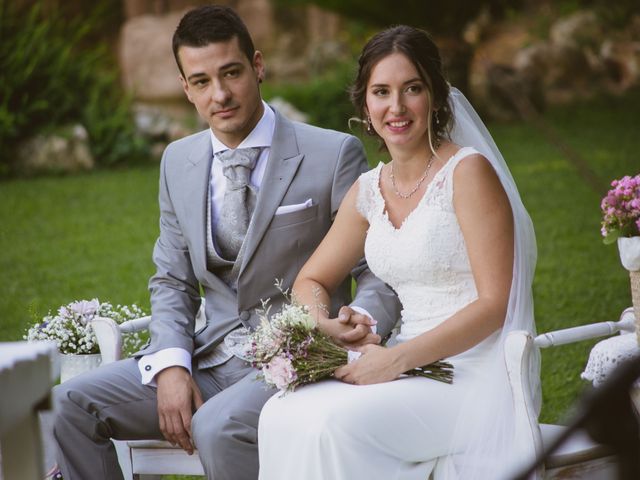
{"x": 622, "y": 63}
{"x": 580, "y": 30}
{"x": 146, "y": 58}
{"x": 66, "y": 150}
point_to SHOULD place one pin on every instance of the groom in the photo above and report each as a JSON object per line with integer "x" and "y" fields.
{"x": 242, "y": 204}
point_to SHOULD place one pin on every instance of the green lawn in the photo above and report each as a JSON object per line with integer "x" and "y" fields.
{"x": 91, "y": 235}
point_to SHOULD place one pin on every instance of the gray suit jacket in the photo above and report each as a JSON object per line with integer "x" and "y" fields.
{"x": 304, "y": 162}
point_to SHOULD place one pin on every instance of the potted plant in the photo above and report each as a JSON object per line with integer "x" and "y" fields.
{"x": 621, "y": 223}
{"x": 71, "y": 329}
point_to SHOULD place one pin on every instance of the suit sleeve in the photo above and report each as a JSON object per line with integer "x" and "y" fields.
{"x": 175, "y": 290}
{"x": 372, "y": 294}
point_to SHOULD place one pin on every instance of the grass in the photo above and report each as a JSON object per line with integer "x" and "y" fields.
{"x": 91, "y": 235}
{"x": 66, "y": 238}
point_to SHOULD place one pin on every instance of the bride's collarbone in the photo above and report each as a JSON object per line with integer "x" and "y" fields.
{"x": 396, "y": 208}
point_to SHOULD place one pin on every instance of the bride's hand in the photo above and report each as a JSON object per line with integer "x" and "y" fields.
{"x": 351, "y": 329}
{"x": 376, "y": 365}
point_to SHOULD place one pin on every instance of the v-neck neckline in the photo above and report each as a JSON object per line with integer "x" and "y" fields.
{"x": 385, "y": 212}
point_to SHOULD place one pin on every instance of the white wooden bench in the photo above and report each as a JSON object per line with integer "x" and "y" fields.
{"x": 28, "y": 370}
{"x": 579, "y": 457}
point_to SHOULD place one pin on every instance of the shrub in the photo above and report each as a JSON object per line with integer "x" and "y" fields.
{"x": 324, "y": 99}
{"x": 49, "y": 76}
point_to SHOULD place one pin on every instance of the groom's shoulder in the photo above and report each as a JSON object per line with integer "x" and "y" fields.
{"x": 311, "y": 137}
{"x": 315, "y": 132}
{"x": 185, "y": 144}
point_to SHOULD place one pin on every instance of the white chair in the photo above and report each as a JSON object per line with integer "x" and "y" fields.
{"x": 144, "y": 459}
{"x": 578, "y": 457}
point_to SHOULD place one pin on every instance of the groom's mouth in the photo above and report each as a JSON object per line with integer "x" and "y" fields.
{"x": 225, "y": 113}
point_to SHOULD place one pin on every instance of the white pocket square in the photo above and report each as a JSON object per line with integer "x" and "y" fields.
{"x": 293, "y": 208}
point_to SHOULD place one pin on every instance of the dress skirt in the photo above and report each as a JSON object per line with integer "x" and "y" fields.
{"x": 399, "y": 430}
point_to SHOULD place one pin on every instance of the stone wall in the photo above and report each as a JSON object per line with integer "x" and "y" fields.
{"x": 305, "y": 41}
{"x": 577, "y": 57}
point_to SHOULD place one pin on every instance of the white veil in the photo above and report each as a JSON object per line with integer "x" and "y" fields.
{"x": 489, "y": 441}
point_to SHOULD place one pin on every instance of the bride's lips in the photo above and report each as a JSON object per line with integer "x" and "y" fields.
{"x": 226, "y": 113}
{"x": 398, "y": 125}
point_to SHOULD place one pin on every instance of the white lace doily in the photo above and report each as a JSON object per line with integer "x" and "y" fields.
{"x": 607, "y": 355}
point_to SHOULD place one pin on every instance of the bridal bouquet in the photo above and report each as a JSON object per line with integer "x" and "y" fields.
{"x": 291, "y": 351}
{"x": 621, "y": 209}
{"x": 71, "y": 329}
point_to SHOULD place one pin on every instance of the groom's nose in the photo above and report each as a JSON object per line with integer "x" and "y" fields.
{"x": 221, "y": 93}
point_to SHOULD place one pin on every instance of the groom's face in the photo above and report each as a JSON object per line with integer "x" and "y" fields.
{"x": 223, "y": 85}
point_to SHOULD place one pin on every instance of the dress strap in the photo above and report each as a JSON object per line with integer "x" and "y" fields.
{"x": 367, "y": 201}
{"x": 449, "y": 168}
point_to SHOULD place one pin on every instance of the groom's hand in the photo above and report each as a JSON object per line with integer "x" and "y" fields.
{"x": 358, "y": 330}
{"x": 177, "y": 394}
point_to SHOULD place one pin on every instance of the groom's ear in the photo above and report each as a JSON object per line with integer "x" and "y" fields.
{"x": 258, "y": 65}
{"x": 185, "y": 87}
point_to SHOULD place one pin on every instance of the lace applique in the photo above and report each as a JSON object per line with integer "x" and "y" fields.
{"x": 366, "y": 202}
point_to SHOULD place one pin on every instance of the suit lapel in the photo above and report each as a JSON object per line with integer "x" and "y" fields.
{"x": 195, "y": 189}
{"x": 195, "y": 195}
{"x": 284, "y": 159}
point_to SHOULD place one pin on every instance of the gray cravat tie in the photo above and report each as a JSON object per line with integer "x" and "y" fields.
{"x": 239, "y": 200}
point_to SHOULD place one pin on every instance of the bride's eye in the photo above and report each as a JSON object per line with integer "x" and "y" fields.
{"x": 414, "y": 88}
{"x": 379, "y": 92}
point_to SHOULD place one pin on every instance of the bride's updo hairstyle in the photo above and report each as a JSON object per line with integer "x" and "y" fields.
{"x": 418, "y": 46}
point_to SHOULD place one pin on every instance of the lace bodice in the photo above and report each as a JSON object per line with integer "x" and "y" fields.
{"x": 424, "y": 260}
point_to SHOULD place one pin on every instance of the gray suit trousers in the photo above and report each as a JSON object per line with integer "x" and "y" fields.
{"x": 111, "y": 402}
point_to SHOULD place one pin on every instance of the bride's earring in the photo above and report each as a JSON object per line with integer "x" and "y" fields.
{"x": 435, "y": 116}
{"x": 369, "y": 126}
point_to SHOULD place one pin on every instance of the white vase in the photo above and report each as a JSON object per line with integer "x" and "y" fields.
{"x": 629, "y": 248}
{"x": 72, "y": 364}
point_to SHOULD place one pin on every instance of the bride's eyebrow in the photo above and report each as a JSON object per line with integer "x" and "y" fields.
{"x": 413, "y": 80}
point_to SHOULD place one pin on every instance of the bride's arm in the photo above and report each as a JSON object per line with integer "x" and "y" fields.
{"x": 486, "y": 221}
{"x": 339, "y": 251}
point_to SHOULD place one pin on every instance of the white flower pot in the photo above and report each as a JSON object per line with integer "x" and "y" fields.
{"x": 629, "y": 248}
{"x": 73, "y": 364}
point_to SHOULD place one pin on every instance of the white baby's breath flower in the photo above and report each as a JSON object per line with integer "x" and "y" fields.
{"x": 71, "y": 329}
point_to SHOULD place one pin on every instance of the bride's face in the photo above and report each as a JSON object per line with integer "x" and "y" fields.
{"x": 397, "y": 103}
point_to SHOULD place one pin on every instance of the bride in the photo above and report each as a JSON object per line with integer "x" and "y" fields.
{"x": 442, "y": 224}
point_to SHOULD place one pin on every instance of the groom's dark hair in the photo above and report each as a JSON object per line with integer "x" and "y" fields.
{"x": 210, "y": 24}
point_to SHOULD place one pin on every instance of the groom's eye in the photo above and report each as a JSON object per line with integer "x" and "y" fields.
{"x": 200, "y": 82}
{"x": 232, "y": 73}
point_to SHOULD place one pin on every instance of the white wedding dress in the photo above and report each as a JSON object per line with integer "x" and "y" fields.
{"x": 401, "y": 429}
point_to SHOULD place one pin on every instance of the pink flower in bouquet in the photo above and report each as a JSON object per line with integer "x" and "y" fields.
{"x": 279, "y": 372}
{"x": 621, "y": 209}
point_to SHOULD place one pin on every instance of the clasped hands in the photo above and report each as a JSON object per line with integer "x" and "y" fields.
{"x": 350, "y": 329}
{"x": 376, "y": 364}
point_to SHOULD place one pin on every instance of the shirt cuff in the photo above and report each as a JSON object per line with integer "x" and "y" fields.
{"x": 152, "y": 364}
{"x": 374, "y": 328}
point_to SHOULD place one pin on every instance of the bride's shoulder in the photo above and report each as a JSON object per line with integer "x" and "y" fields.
{"x": 474, "y": 172}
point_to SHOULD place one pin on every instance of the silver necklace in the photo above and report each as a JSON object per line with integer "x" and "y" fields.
{"x": 415, "y": 189}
